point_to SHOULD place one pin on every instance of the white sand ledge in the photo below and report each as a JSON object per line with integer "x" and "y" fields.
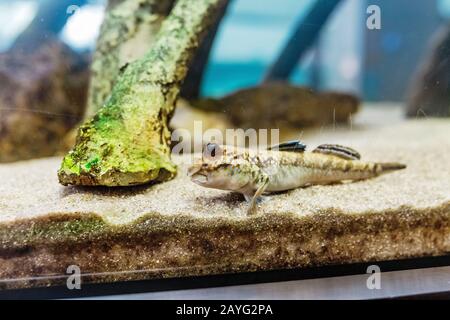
{"x": 178, "y": 228}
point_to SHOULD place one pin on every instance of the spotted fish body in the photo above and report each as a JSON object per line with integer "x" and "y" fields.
{"x": 286, "y": 167}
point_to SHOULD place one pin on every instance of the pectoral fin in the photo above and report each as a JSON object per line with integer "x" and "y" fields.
{"x": 256, "y": 196}
{"x": 338, "y": 151}
{"x": 290, "y": 146}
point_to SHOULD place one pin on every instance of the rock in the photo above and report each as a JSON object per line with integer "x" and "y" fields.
{"x": 179, "y": 229}
{"x": 278, "y": 104}
{"x": 42, "y": 96}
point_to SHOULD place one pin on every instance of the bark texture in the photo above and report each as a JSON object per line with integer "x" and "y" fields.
{"x": 127, "y": 141}
{"x": 127, "y": 33}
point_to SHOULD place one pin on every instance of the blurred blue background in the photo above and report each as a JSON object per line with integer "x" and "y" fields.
{"x": 376, "y": 64}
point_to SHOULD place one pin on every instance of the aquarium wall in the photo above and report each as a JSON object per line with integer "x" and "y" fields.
{"x": 147, "y": 140}
{"x": 377, "y": 64}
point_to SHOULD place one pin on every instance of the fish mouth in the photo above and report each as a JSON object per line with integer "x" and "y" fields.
{"x": 199, "y": 178}
{"x": 197, "y": 175}
{"x": 192, "y": 170}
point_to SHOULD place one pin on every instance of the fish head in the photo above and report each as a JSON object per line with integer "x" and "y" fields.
{"x": 221, "y": 167}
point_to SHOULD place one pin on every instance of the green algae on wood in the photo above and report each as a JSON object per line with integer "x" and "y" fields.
{"x": 127, "y": 141}
{"x": 127, "y": 33}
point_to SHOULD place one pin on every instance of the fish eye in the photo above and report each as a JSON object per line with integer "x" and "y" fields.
{"x": 212, "y": 150}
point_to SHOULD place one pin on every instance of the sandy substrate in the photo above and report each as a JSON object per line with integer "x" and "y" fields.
{"x": 178, "y": 228}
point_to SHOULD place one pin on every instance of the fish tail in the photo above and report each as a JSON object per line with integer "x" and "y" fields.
{"x": 388, "y": 167}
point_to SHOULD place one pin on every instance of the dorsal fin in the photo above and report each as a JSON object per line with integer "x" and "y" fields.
{"x": 338, "y": 151}
{"x": 290, "y": 146}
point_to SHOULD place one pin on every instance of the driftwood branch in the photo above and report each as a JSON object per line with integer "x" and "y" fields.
{"x": 127, "y": 33}
{"x": 192, "y": 85}
{"x": 304, "y": 36}
{"x": 48, "y": 22}
{"x": 127, "y": 141}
